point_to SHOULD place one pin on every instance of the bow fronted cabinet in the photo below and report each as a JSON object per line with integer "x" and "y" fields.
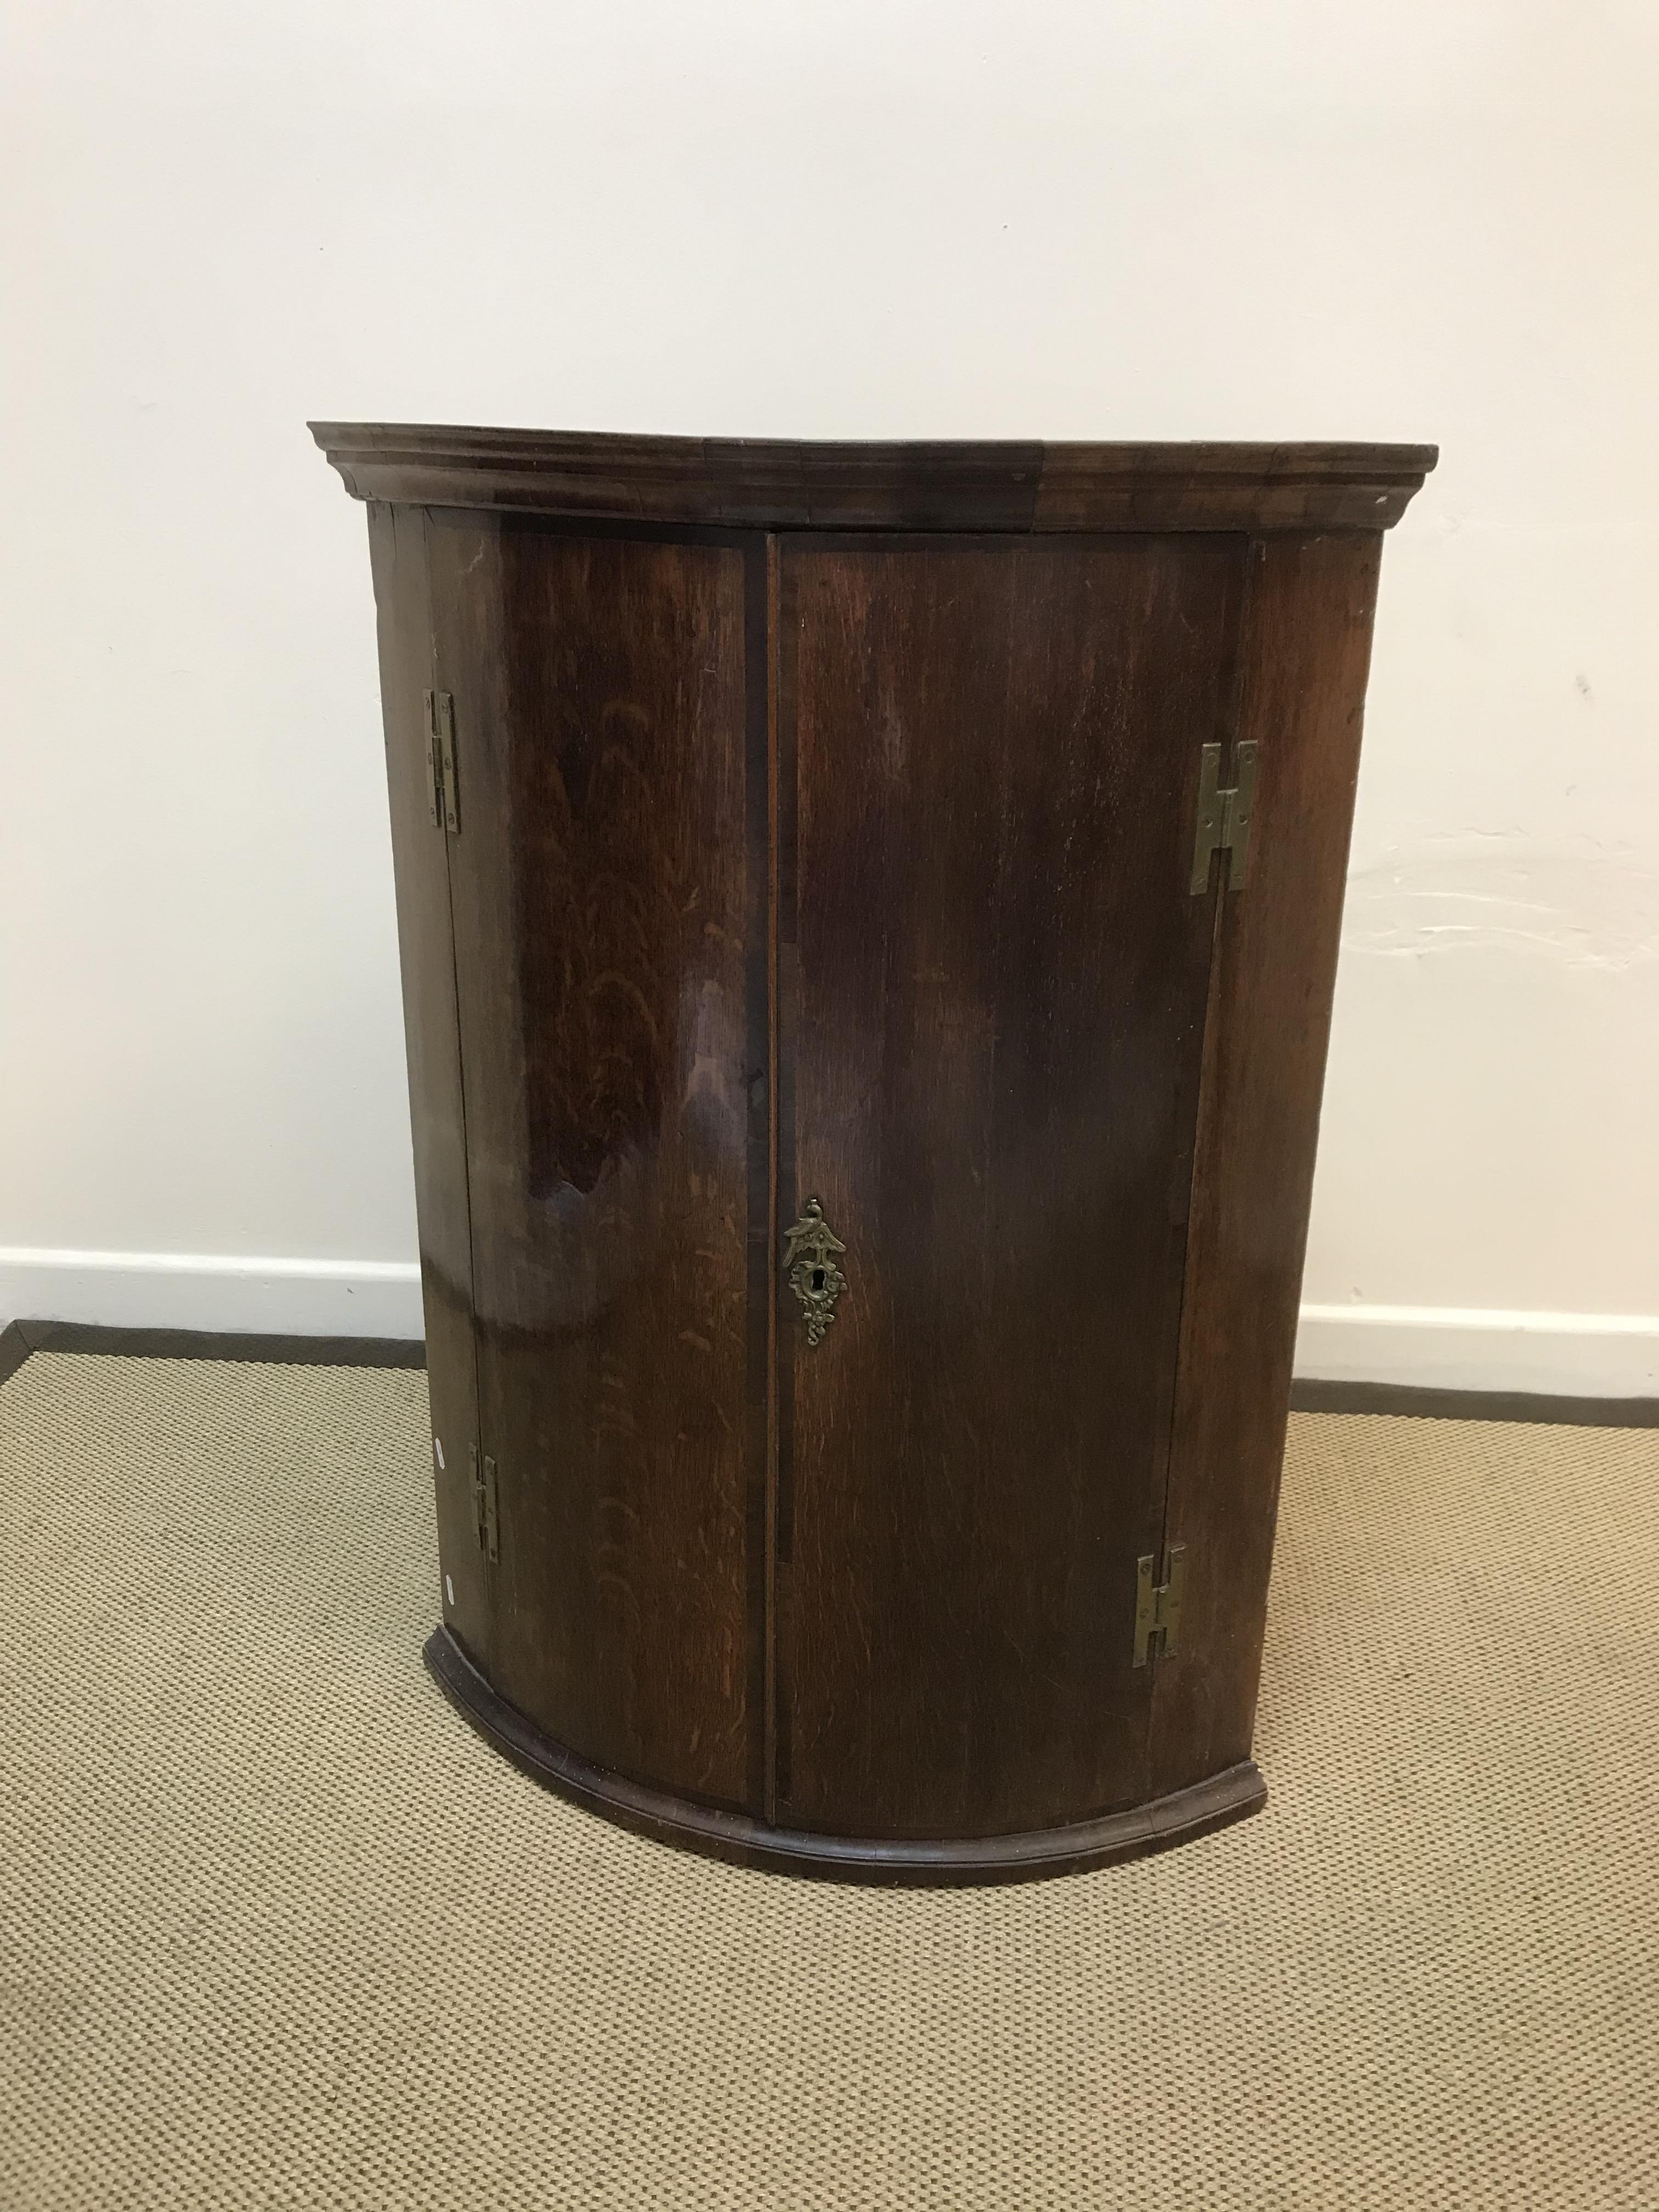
{"x": 868, "y": 916}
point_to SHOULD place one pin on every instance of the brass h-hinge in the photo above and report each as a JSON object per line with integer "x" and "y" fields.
{"x": 486, "y": 1512}
{"x": 1224, "y": 816}
{"x": 1157, "y": 1607}
{"x": 443, "y": 796}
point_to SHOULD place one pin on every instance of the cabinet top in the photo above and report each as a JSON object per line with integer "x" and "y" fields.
{"x": 769, "y": 483}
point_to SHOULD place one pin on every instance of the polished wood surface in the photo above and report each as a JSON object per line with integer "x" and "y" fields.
{"x": 855, "y": 865}
{"x": 779, "y": 484}
{"x": 996, "y": 1042}
{"x": 1306, "y": 638}
{"x": 601, "y": 923}
{"x": 1074, "y": 1847}
{"x": 432, "y": 1034}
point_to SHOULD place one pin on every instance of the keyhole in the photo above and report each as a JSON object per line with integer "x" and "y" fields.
{"x": 818, "y": 1279}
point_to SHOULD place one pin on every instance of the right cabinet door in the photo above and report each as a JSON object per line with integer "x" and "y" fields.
{"x": 1304, "y": 651}
{"x": 992, "y": 978}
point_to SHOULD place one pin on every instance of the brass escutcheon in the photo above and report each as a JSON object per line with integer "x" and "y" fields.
{"x": 814, "y": 1277}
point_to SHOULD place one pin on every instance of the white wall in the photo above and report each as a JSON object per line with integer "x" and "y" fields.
{"x": 1406, "y": 219}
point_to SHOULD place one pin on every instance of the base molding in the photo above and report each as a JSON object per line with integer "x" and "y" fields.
{"x": 742, "y": 1840}
{"x": 18, "y": 1339}
{"x": 1481, "y": 1351}
{"x": 224, "y": 1293}
{"x": 1403, "y": 1400}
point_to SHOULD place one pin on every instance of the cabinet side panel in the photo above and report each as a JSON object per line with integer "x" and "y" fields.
{"x": 602, "y": 913}
{"x": 1306, "y": 651}
{"x": 996, "y": 1018}
{"x": 421, "y": 869}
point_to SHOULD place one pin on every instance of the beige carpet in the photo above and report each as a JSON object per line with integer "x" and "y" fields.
{"x": 277, "y": 1930}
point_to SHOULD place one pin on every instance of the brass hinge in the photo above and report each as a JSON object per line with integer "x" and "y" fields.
{"x": 443, "y": 793}
{"x": 1158, "y": 1606}
{"x": 486, "y": 1510}
{"x": 1224, "y": 815}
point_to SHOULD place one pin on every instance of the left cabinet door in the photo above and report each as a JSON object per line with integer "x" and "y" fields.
{"x": 398, "y": 548}
{"x": 609, "y": 883}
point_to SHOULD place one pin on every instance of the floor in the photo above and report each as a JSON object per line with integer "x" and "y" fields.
{"x": 275, "y": 1930}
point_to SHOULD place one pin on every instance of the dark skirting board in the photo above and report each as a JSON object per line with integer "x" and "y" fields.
{"x": 1409, "y": 1402}
{"x": 20, "y": 1338}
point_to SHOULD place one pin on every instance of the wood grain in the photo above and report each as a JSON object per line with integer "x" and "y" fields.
{"x": 603, "y": 910}
{"x": 781, "y": 484}
{"x": 1001, "y": 990}
{"x": 1306, "y": 649}
{"x": 827, "y": 821}
{"x": 883, "y": 1862}
{"x": 420, "y": 854}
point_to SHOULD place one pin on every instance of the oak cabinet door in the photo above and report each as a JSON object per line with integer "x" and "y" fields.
{"x": 607, "y": 952}
{"x": 1304, "y": 652}
{"x": 992, "y": 982}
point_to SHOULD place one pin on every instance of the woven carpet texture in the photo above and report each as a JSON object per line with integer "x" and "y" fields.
{"x": 277, "y": 1929}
